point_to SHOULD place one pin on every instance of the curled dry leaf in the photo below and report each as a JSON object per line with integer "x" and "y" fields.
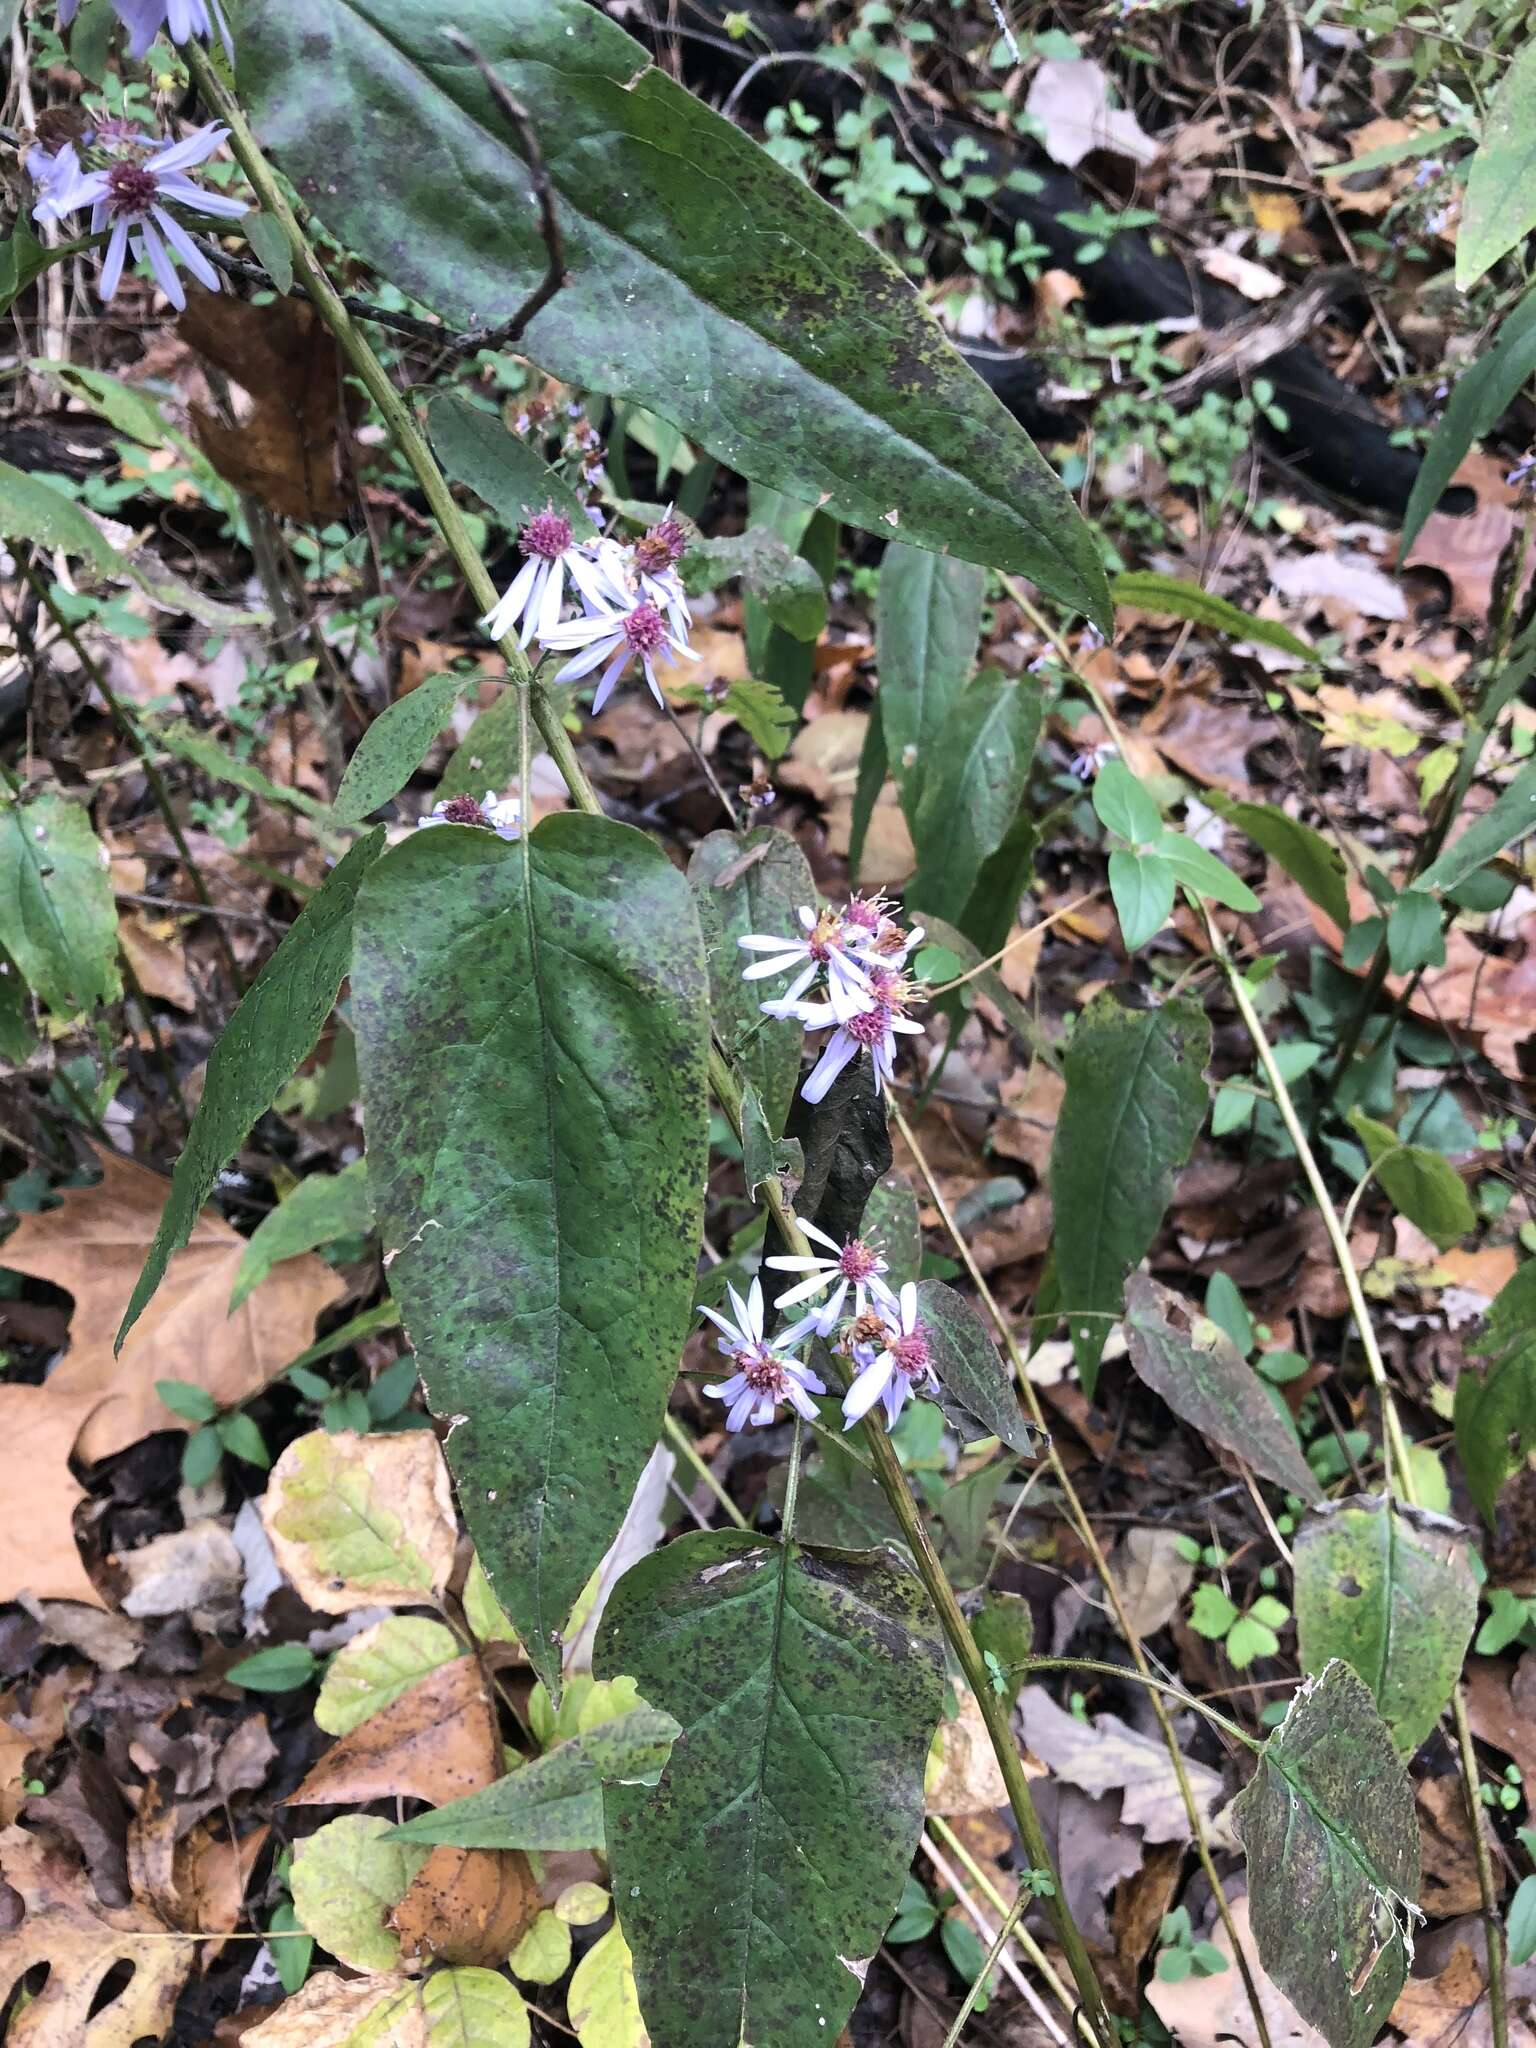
{"x": 83, "y": 1945}
{"x": 362, "y": 1521}
{"x": 467, "y": 1906}
{"x": 1106, "y": 1755}
{"x": 94, "y": 1245}
{"x": 196, "y": 1570}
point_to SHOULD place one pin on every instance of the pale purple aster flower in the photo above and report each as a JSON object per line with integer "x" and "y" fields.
{"x": 144, "y": 19}
{"x": 872, "y": 1029}
{"x": 875, "y": 935}
{"x": 502, "y": 815}
{"x": 892, "y": 1354}
{"x": 130, "y": 198}
{"x": 765, "y": 1374}
{"x": 825, "y": 947}
{"x": 1086, "y": 765}
{"x": 1523, "y": 471}
{"x": 611, "y": 640}
{"x": 645, "y": 572}
{"x": 852, "y": 1264}
{"x": 534, "y": 597}
{"x": 1427, "y": 172}
{"x": 58, "y": 178}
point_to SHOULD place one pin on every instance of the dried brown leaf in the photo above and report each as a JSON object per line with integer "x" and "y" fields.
{"x": 39, "y": 1493}
{"x": 468, "y": 1906}
{"x": 436, "y": 1742}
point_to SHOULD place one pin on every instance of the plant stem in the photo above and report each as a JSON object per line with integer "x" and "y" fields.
{"x": 1174, "y": 1692}
{"x": 690, "y": 1452}
{"x": 1392, "y": 1433}
{"x": 937, "y": 1825}
{"x": 1083, "y": 1528}
{"x": 727, "y": 1088}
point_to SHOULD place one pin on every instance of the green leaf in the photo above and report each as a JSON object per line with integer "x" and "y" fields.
{"x": 808, "y": 1685}
{"x": 745, "y": 882}
{"x": 806, "y": 361}
{"x": 531, "y": 1022}
{"x": 323, "y": 1207}
{"x": 1423, "y": 143}
{"x": 283, "y": 1668}
{"x": 1495, "y": 1413}
{"x": 994, "y": 905}
{"x": 601, "y": 2001}
{"x": 1414, "y": 937}
{"x": 1420, "y": 1184}
{"x": 763, "y": 1156}
{"x": 1248, "y": 1639}
{"x": 544, "y": 1954}
{"x": 786, "y": 585}
{"x": 201, "y": 1456}
{"x": 1202, "y": 871}
{"x": 1388, "y": 1590}
{"x": 1135, "y": 1101}
{"x": 1142, "y": 888}
{"x": 927, "y": 626}
{"x": 1332, "y": 1836}
{"x": 841, "y": 1503}
{"x": 1305, "y": 855}
{"x": 874, "y": 764}
{"x": 555, "y": 1802}
{"x": 1124, "y": 805}
{"x": 372, "y": 1670}
{"x": 394, "y": 746}
{"x": 33, "y": 510}
{"x": 23, "y": 258}
{"x": 972, "y": 1375}
{"x": 763, "y": 713}
{"x": 269, "y": 245}
{"x": 482, "y": 1610}
{"x": 1499, "y": 209}
{"x": 205, "y": 753}
{"x": 1226, "y": 1308}
{"x": 239, "y": 1435}
{"x": 893, "y": 1225}
{"x": 1520, "y": 1930}
{"x": 58, "y": 918}
{"x": 1195, "y": 1367}
{"x": 347, "y": 1877}
{"x": 476, "y": 450}
{"x": 1148, "y": 591}
{"x": 1211, "y": 1612}
{"x": 1509, "y": 818}
{"x": 275, "y": 1025}
{"x": 1483, "y": 394}
{"x": 191, "y": 1403}
{"x": 463, "y": 2008}
{"x": 977, "y": 767}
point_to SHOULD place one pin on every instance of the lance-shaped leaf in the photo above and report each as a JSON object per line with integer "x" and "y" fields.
{"x": 395, "y": 745}
{"x": 806, "y": 361}
{"x": 476, "y": 449}
{"x": 1496, "y": 1407}
{"x": 1197, "y": 1369}
{"x": 531, "y": 1029}
{"x": 972, "y": 1376}
{"x": 1150, "y": 591}
{"x": 752, "y": 882}
{"x": 1390, "y": 1591}
{"x": 754, "y": 1883}
{"x": 1134, "y": 1105}
{"x": 275, "y": 1025}
{"x": 927, "y": 625}
{"x": 972, "y": 784}
{"x": 1332, "y": 1837}
{"x": 1508, "y": 818}
{"x": 556, "y": 1801}
{"x": 58, "y": 920}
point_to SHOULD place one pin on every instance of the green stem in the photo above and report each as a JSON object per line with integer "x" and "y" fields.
{"x": 1174, "y": 1692}
{"x": 727, "y": 1088}
{"x": 1000, "y": 1941}
{"x": 689, "y": 1450}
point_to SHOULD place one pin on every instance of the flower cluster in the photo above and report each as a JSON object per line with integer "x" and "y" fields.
{"x": 861, "y": 951}
{"x": 884, "y": 1340}
{"x": 129, "y": 195}
{"x": 633, "y": 605}
{"x": 182, "y": 20}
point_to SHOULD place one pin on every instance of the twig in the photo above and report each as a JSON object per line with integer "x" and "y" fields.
{"x": 996, "y": 1956}
{"x": 511, "y": 330}
{"x": 684, "y": 1443}
{"x": 939, "y": 1826}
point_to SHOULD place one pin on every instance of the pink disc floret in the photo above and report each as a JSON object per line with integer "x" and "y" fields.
{"x": 463, "y": 810}
{"x": 131, "y": 190}
{"x": 548, "y": 533}
{"x": 857, "y": 1261}
{"x": 661, "y": 547}
{"x": 910, "y": 1352}
{"x": 761, "y": 1370}
{"x": 869, "y": 1027}
{"x": 645, "y": 629}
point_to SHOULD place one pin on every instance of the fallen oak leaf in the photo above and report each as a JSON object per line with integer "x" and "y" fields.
{"x": 94, "y": 1245}
{"x": 83, "y": 1946}
{"x": 39, "y": 1494}
{"x": 1105, "y": 1754}
{"x": 436, "y": 1742}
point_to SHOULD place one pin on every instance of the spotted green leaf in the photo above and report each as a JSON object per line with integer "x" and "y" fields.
{"x": 58, "y": 920}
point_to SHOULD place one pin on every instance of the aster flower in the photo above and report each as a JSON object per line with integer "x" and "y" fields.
{"x": 144, "y": 19}
{"x": 891, "y": 1350}
{"x": 827, "y": 946}
{"x": 872, "y": 1029}
{"x": 1524, "y": 472}
{"x": 765, "y": 1374}
{"x": 58, "y": 178}
{"x": 502, "y": 815}
{"x": 611, "y": 640}
{"x": 536, "y": 593}
{"x": 852, "y": 1264}
{"x": 875, "y": 934}
{"x": 130, "y": 198}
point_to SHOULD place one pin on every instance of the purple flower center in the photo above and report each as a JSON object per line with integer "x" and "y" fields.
{"x": 463, "y": 810}
{"x": 863, "y": 913}
{"x": 856, "y": 1261}
{"x": 131, "y": 190}
{"x": 645, "y": 629}
{"x": 869, "y": 1027}
{"x": 548, "y": 533}
{"x": 910, "y": 1351}
{"x": 762, "y": 1372}
{"x": 661, "y": 547}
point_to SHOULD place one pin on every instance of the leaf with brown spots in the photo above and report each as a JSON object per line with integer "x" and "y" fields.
{"x": 436, "y": 1742}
